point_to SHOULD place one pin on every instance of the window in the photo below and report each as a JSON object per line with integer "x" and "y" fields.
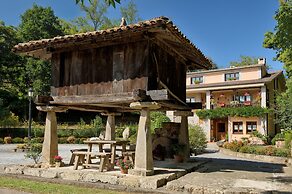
{"x": 196, "y": 80}
{"x": 237, "y": 127}
{"x": 190, "y": 100}
{"x": 251, "y": 126}
{"x": 242, "y": 98}
{"x": 231, "y": 76}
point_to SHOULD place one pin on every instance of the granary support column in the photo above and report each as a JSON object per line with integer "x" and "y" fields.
{"x": 183, "y": 136}
{"x": 110, "y": 127}
{"x": 50, "y": 145}
{"x": 143, "y": 156}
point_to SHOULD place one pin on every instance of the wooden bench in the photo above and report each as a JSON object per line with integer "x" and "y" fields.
{"x": 130, "y": 155}
{"x": 84, "y": 159}
{"x": 73, "y": 156}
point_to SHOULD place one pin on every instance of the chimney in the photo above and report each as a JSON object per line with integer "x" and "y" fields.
{"x": 123, "y": 22}
{"x": 262, "y": 61}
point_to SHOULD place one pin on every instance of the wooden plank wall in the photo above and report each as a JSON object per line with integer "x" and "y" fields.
{"x": 172, "y": 72}
{"x": 112, "y": 69}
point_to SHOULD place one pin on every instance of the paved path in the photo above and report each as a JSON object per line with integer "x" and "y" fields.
{"x": 226, "y": 174}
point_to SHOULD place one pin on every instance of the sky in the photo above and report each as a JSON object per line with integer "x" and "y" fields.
{"x": 222, "y": 29}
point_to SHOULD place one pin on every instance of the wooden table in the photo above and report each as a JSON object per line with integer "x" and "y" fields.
{"x": 112, "y": 143}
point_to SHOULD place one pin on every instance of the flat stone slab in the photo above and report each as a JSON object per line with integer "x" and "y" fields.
{"x": 164, "y": 172}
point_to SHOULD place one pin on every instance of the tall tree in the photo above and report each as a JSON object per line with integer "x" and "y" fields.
{"x": 95, "y": 13}
{"x": 109, "y": 2}
{"x": 39, "y": 22}
{"x": 244, "y": 61}
{"x": 130, "y": 13}
{"x": 281, "y": 41}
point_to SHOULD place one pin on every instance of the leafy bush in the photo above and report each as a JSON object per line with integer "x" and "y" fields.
{"x": 246, "y": 111}
{"x": 264, "y": 138}
{"x": 37, "y": 140}
{"x": 7, "y": 140}
{"x": 278, "y": 137}
{"x": 62, "y": 140}
{"x": 64, "y": 132}
{"x": 25, "y": 140}
{"x": 234, "y": 145}
{"x": 133, "y": 130}
{"x": 97, "y": 125}
{"x": 17, "y": 140}
{"x": 288, "y": 139}
{"x": 197, "y": 138}
{"x": 1, "y": 140}
{"x": 9, "y": 121}
{"x": 157, "y": 118}
{"x": 281, "y": 152}
{"x": 71, "y": 139}
{"x": 38, "y": 131}
{"x": 34, "y": 152}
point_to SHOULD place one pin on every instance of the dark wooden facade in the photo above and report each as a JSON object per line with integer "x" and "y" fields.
{"x": 108, "y": 70}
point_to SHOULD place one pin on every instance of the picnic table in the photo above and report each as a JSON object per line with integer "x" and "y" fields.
{"x": 107, "y": 159}
{"x": 112, "y": 143}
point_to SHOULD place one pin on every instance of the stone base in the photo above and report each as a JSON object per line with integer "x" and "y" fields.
{"x": 141, "y": 172}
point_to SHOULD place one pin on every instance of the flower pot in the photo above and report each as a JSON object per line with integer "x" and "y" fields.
{"x": 124, "y": 171}
{"x": 178, "y": 158}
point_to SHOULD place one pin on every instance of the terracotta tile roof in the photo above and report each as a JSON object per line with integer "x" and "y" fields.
{"x": 267, "y": 78}
{"x": 163, "y": 22}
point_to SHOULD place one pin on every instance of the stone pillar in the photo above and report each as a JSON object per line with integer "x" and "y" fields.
{"x": 110, "y": 126}
{"x": 264, "y": 126}
{"x": 183, "y": 136}
{"x": 208, "y": 121}
{"x": 208, "y": 99}
{"x": 50, "y": 145}
{"x": 143, "y": 156}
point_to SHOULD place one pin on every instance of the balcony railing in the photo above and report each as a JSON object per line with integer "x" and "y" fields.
{"x": 234, "y": 104}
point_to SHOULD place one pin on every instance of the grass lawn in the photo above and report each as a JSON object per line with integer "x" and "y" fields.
{"x": 44, "y": 187}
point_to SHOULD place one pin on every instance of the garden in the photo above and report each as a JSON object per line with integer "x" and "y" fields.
{"x": 279, "y": 146}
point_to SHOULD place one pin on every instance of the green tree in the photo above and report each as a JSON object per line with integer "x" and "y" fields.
{"x": 95, "y": 14}
{"x": 39, "y": 22}
{"x": 109, "y": 2}
{"x": 130, "y": 13}
{"x": 281, "y": 39}
{"x": 244, "y": 61}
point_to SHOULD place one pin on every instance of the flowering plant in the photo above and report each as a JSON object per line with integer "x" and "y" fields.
{"x": 58, "y": 158}
{"x": 124, "y": 163}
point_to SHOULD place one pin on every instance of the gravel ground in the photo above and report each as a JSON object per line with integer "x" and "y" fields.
{"x": 8, "y": 156}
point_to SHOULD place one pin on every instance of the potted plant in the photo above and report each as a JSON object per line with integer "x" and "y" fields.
{"x": 124, "y": 165}
{"x": 58, "y": 161}
{"x": 178, "y": 151}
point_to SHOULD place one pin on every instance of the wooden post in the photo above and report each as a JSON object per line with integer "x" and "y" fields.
{"x": 143, "y": 157}
{"x": 183, "y": 137}
{"x": 50, "y": 145}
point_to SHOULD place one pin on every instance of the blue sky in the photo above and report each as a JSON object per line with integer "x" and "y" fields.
{"x": 222, "y": 29}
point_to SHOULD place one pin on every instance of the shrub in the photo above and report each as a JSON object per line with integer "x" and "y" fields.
{"x": 270, "y": 151}
{"x": 281, "y": 152}
{"x": 62, "y": 140}
{"x": 71, "y": 139}
{"x": 81, "y": 140}
{"x": 7, "y": 140}
{"x": 97, "y": 125}
{"x": 37, "y": 140}
{"x": 34, "y": 152}
{"x": 278, "y": 137}
{"x": 9, "y": 121}
{"x": 17, "y": 140}
{"x": 25, "y": 140}
{"x": 288, "y": 139}
{"x": 234, "y": 145}
{"x": 38, "y": 131}
{"x": 64, "y": 132}
{"x": 197, "y": 138}
{"x": 1, "y": 140}
{"x": 264, "y": 138}
{"x": 157, "y": 118}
